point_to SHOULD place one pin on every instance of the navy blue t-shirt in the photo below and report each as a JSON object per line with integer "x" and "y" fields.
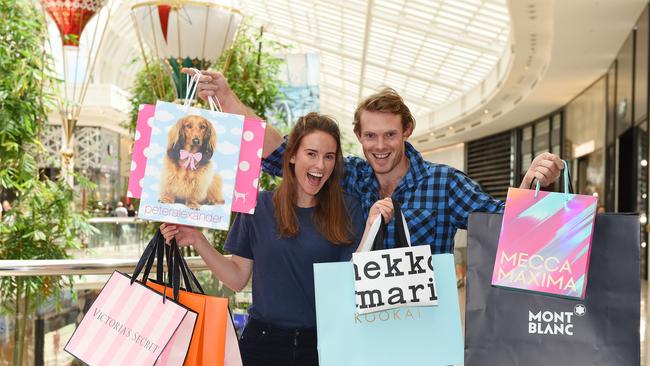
{"x": 283, "y": 272}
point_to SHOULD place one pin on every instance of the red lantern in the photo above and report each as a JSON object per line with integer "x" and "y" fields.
{"x": 71, "y": 16}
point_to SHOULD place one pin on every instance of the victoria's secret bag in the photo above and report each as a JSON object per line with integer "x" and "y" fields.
{"x": 129, "y": 323}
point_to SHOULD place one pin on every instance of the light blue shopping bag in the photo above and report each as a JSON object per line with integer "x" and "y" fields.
{"x": 411, "y": 336}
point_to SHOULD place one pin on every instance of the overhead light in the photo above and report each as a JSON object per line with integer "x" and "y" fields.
{"x": 451, "y": 128}
{"x": 644, "y": 196}
{"x": 486, "y": 111}
{"x": 643, "y": 245}
{"x": 644, "y": 162}
{"x": 595, "y": 194}
{"x": 431, "y": 134}
{"x": 643, "y": 219}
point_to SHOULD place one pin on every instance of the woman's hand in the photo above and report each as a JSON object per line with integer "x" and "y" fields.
{"x": 185, "y": 235}
{"x": 233, "y": 271}
{"x": 383, "y": 207}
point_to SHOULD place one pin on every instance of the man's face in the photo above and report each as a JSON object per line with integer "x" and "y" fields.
{"x": 382, "y": 139}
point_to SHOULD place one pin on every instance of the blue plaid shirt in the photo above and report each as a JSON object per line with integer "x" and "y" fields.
{"x": 436, "y": 199}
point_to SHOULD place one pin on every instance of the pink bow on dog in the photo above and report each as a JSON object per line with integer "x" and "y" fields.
{"x": 192, "y": 159}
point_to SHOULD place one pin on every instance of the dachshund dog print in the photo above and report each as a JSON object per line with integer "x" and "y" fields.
{"x": 191, "y": 166}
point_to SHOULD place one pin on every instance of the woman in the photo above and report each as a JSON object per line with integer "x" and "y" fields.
{"x": 131, "y": 210}
{"x": 306, "y": 220}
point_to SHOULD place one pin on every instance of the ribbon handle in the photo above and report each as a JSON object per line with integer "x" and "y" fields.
{"x": 191, "y": 87}
{"x": 568, "y": 189}
{"x": 214, "y": 104}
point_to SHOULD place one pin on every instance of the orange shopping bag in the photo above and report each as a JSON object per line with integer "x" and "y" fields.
{"x": 214, "y": 341}
{"x": 209, "y": 340}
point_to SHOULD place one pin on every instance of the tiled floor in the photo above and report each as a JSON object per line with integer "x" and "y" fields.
{"x": 645, "y": 320}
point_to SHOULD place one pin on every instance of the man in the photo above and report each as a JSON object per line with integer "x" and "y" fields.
{"x": 120, "y": 210}
{"x": 436, "y": 199}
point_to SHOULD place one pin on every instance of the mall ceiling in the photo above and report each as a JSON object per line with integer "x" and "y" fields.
{"x": 467, "y": 68}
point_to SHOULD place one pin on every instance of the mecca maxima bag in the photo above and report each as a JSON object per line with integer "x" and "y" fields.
{"x": 545, "y": 241}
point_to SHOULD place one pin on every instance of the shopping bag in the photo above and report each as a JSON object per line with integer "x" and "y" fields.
{"x": 130, "y": 323}
{"x": 545, "y": 241}
{"x": 387, "y": 279}
{"x": 140, "y": 143}
{"x": 214, "y": 341}
{"x": 512, "y": 328}
{"x": 428, "y": 335}
{"x": 248, "y": 167}
{"x": 191, "y": 166}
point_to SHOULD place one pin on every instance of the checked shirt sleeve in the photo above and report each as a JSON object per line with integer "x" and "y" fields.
{"x": 465, "y": 197}
{"x": 272, "y": 164}
{"x": 352, "y": 181}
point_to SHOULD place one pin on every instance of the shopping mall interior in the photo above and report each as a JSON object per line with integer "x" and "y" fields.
{"x": 491, "y": 83}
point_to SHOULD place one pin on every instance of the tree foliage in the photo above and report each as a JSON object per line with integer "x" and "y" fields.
{"x": 23, "y": 100}
{"x": 152, "y": 83}
{"x": 42, "y": 223}
{"x": 252, "y": 68}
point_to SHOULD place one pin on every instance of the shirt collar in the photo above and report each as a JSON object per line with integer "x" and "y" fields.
{"x": 417, "y": 168}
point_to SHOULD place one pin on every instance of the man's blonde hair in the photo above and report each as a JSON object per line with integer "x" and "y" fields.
{"x": 386, "y": 101}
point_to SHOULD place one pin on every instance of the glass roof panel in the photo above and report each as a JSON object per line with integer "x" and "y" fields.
{"x": 431, "y": 51}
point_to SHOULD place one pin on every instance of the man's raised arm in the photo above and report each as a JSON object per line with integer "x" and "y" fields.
{"x": 214, "y": 84}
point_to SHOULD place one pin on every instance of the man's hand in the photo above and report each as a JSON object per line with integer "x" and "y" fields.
{"x": 214, "y": 84}
{"x": 545, "y": 168}
{"x": 383, "y": 207}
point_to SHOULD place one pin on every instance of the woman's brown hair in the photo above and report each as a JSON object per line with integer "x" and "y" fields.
{"x": 330, "y": 215}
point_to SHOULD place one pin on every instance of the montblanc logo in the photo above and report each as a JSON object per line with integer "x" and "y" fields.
{"x": 553, "y": 322}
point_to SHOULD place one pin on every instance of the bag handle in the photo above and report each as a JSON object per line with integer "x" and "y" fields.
{"x": 146, "y": 260}
{"x": 568, "y": 186}
{"x": 181, "y": 268}
{"x": 188, "y": 276}
{"x": 153, "y": 250}
{"x": 176, "y": 266}
{"x": 378, "y": 230}
{"x": 402, "y": 235}
{"x": 215, "y": 106}
{"x": 191, "y": 87}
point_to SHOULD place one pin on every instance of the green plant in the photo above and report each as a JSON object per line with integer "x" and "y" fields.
{"x": 22, "y": 95}
{"x": 253, "y": 68}
{"x": 42, "y": 224}
{"x": 152, "y": 83}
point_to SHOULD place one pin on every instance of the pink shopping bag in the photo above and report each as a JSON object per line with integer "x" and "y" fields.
{"x": 248, "y": 170}
{"x": 140, "y": 143}
{"x": 131, "y": 324}
{"x": 545, "y": 242}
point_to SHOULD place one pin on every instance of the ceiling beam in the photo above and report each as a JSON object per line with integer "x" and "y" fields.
{"x": 435, "y": 33}
{"x": 319, "y": 46}
{"x": 364, "y": 53}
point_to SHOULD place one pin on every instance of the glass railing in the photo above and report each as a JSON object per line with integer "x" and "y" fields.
{"x": 117, "y": 237}
{"x": 49, "y": 328}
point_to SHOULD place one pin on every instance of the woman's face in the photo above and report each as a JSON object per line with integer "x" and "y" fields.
{"x": 313, "y": 162}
